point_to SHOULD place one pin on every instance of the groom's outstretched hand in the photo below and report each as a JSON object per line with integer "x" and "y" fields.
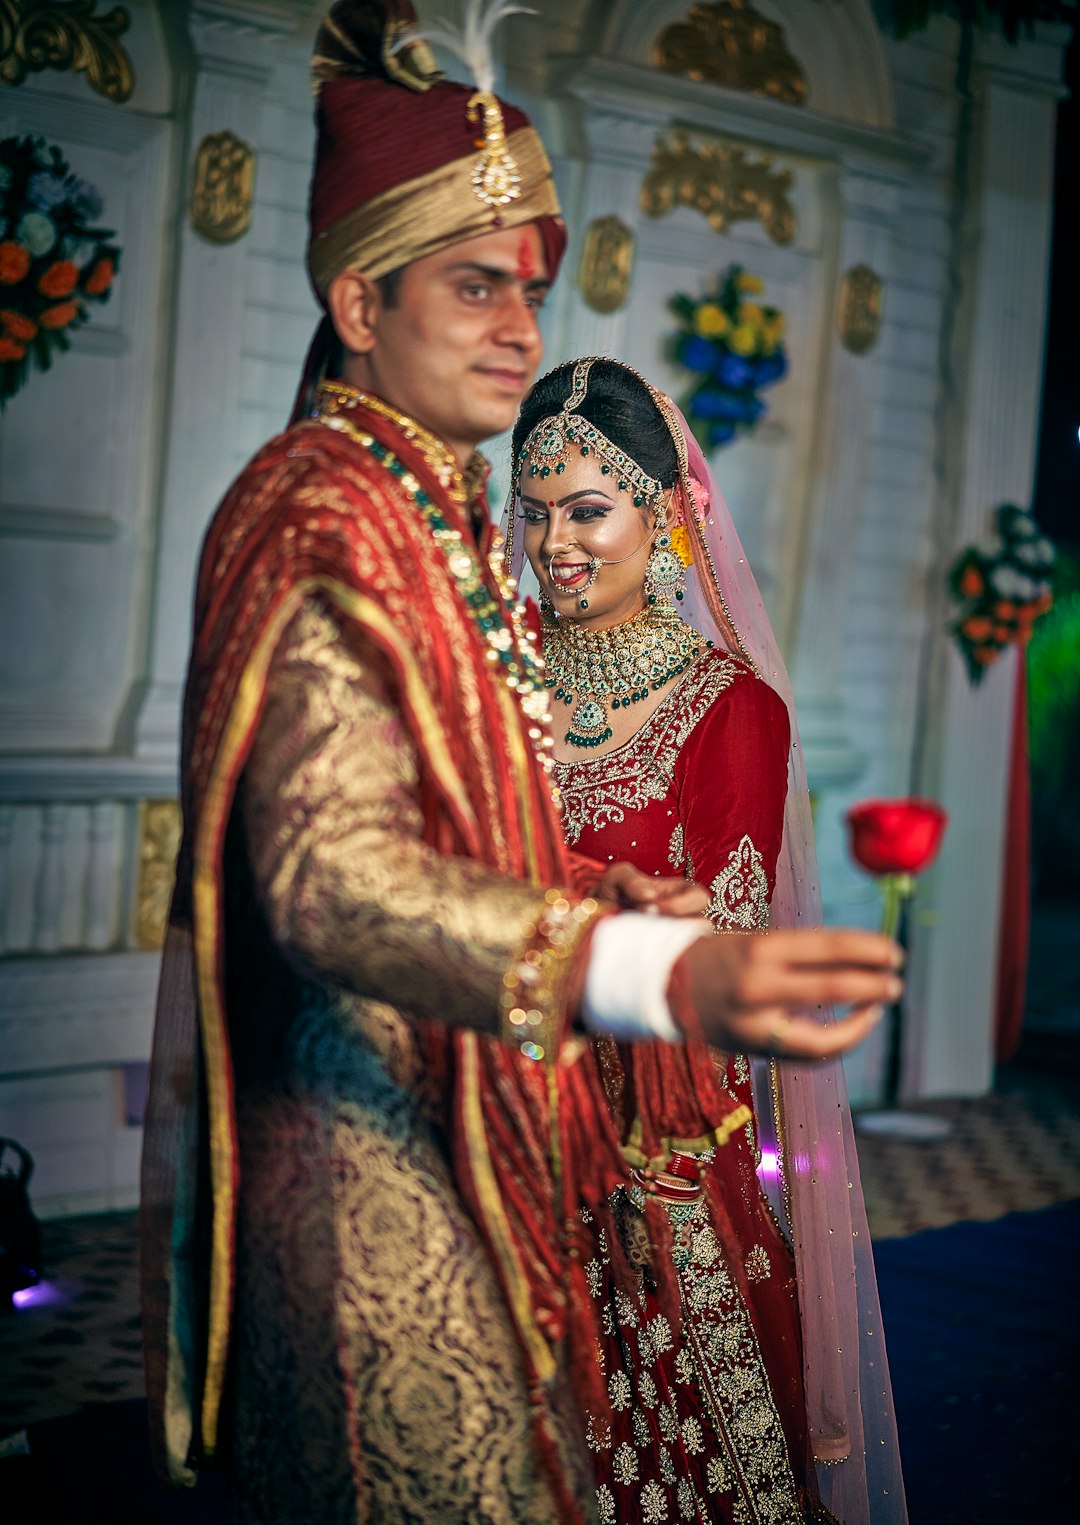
{"x": 745, "y": 994}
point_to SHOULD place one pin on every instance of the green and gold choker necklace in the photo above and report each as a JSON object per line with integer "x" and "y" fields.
{"x": 616, "y": 667}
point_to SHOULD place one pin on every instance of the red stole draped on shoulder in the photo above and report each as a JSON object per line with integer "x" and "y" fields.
{"x": 316, "y": 513}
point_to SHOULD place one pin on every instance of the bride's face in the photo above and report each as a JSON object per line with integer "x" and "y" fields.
{"x": 575, "y": 518}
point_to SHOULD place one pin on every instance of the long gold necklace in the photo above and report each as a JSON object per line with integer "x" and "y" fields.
{"x": 619, "y": 666}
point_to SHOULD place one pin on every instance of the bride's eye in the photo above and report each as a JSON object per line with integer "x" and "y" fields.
{"x": 585, "y": 512}
{"x": 533, "y": 515}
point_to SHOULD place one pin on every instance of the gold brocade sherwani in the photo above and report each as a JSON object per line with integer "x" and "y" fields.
{"x": 345, "y": 1167}
{"x": 377, "y": 1374}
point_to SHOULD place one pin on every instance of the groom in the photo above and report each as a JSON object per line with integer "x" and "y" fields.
{"x": 371, "y": 1098}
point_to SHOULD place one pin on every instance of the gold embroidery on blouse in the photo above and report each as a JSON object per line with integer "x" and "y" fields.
{"x": 677, "y": 848}
{"x": 599, "y": 791}
{"x": 740, "y": 893}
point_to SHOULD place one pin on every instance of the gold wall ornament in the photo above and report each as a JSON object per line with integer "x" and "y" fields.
{"x": 607, "y": 263}
{"x": 731, "y": 44}
{"x": 858, "y": 312}
{"x": 159, "y": 843}
{"x": 66, "y": 35}
{"x": 224, "y": 188}
{"x": 724, "y": 183}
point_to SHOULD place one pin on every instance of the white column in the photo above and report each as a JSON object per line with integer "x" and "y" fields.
{"x": 7, "y": 828}
{"x": 102, "y": 881}
{"x": 993, "y": 392}
{"x": 233, "y": 46}
{"x": 867, "y": 211}
{"x": 618, "y": 148}
{"x": 49, "y": 890}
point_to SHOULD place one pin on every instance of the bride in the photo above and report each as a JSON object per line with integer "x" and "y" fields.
{"x": 743, "y": 1371}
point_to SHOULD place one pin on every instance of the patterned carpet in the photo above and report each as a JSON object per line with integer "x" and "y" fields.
{"x": 1015, "y": 1150}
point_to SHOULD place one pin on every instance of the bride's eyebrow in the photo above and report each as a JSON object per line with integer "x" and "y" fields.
{"x": 571, "y": 497}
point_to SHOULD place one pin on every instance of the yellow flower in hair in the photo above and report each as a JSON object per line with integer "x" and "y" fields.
{"x": 750, "y": 312}
{"x": 680, "y": 544}
{"x": 750, "y": 283}
{"x": 710, "y": 321}
{"x": 743, "y": 340}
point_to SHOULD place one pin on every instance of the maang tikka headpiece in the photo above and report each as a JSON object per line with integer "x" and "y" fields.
{"x": 551, "y": 443}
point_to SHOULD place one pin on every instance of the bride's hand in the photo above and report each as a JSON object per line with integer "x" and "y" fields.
{"x": 746, "y": 992}
{"x": 627, "y": 887}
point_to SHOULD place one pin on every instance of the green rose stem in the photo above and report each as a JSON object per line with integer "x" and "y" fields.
{"x": 896, "y": 891}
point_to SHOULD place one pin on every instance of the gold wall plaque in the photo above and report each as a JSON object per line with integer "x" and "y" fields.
{"x": 224, "y": 188}
{"x": 607, "y": 262}
{"x": 724, "y": 183}
{"x": 66, "y": 35}
{"x": 858, "y": 313}
{"x": 159, "y": 842}
{"x": 730, "y": 44}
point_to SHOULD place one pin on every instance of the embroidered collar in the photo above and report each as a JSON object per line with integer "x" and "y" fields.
{"x": 336, "y": 399}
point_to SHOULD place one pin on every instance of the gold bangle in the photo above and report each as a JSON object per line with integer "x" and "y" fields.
{"x": 534, "y": 985}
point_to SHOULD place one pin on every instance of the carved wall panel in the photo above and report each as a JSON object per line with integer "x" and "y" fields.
{"x": 731, "y": 44}
{"x": 66, "y": 35}
{"x": 224, "y": 188}
{"x": 722, "y": 182}
{"x": 607, "y": 263}
{"x": 858, "y": 315}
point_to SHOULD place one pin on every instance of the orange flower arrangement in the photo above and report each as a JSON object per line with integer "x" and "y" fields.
{"x": 47, "y": 279}
{"x": 1001, "y": 589}
{"x": 60, "y": 279}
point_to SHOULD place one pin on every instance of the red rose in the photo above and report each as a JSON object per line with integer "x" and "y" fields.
{"x": 896, "y": 836}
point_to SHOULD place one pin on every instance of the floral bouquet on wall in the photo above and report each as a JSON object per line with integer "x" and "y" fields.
{"x": 734, "y": 345}
{"x": 53, "y": 260}
{"x": 1000, "y": 588}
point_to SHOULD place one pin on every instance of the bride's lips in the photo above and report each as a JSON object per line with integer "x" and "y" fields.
{"x": 565, "y": 578}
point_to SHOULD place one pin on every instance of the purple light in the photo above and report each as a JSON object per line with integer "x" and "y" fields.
{"x": 770, "y": 1165}
{"x": 41, "y": 1296}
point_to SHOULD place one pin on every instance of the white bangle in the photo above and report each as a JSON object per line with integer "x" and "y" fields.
{"x": 630, "y": 964}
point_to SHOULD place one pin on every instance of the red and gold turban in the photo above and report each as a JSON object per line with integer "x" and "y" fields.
{"x": 406, "y": 162}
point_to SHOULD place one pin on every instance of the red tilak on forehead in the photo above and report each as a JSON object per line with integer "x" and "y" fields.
{"x": 526, "y": 259}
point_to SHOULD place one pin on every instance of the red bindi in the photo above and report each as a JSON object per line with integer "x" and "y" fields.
{"x": 526, "y": 259}
{"x": 551, "y": 503}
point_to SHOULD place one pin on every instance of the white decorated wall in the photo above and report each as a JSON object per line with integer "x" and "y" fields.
{"x": 869, "y": 472}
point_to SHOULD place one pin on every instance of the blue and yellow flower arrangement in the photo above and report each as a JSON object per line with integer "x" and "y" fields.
{"x": 735, "y": 346}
